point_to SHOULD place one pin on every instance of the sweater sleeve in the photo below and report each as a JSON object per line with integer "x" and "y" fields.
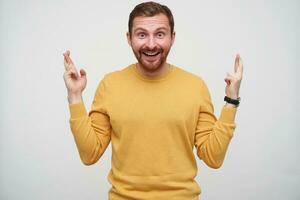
{"x": 213, "y": 136}
{"x": 91, "y": 131}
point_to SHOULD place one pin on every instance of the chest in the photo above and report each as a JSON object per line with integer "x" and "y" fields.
{"x": 151, "y": 107}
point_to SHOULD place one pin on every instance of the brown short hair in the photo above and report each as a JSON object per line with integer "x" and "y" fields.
{"x": 150, "y": 9}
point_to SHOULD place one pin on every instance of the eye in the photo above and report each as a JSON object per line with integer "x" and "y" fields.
{"x": 141, "y": 35}
{"x": 160, "y": 34}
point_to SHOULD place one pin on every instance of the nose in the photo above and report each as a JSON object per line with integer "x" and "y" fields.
{"x": 151, "y": 42}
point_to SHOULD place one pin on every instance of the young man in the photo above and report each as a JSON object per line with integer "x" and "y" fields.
{"x": 154, "y": 113}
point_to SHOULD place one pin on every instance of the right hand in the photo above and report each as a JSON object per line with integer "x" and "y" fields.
{"x": 75, "y": 82}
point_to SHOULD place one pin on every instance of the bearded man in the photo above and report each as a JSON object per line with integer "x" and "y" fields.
{"x": 154, "y": 113}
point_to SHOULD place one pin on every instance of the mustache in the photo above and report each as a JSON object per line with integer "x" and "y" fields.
{"x": 155, "y": 49}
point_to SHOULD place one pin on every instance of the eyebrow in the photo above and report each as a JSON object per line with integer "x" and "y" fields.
{"x": 142, "y": 29}
{"x": 139, "y": 29}
{"x": 162, "y": 28}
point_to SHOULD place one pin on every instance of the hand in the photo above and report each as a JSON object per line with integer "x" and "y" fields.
{"x": 233, "y": 81}
{"x": 74, "y": 81}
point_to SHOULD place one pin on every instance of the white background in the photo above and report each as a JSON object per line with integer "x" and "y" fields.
{"x": 38, "y": 155}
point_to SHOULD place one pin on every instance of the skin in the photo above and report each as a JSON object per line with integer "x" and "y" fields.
{"x": 75, "y": 82}
{"x": 150, "y": 35}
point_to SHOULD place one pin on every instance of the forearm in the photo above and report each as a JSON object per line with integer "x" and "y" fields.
{"x": 229, "y": 105}
{"x": 215, "y": 138}
{"x": 90, "y": 143}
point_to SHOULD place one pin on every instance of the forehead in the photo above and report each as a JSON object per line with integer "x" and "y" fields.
{"x": 149, "y": 23}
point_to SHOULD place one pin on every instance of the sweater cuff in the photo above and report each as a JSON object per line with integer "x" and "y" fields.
{"x": 228, "y": 115}
{"x": 77, "y": 110}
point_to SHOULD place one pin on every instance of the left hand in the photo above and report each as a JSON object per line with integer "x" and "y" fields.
{"x": 233, "y": 81}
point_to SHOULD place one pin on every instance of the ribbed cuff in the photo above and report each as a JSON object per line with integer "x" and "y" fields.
{"x": 228, "y": 115}
{"x": 77, "y": 110}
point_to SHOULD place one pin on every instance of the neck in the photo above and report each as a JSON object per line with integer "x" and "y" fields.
{"x": 159, "y": 72}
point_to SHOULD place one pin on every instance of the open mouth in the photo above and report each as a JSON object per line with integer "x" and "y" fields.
{"x": 151, "y": 53}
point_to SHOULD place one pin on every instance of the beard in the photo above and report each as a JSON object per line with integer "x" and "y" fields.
{"x": 151, "y": 60}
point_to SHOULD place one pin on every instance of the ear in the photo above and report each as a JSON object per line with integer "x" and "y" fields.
{"x": 173, "y": 37}
{"x": 128, "y": 38}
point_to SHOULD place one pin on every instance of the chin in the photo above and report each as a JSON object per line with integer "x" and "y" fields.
{"x": 151, "y": 66}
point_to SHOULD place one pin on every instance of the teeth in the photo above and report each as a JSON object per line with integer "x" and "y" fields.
{"x": 151, "y": 53}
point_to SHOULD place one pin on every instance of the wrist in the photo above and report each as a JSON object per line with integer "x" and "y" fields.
{"x": 74, "y": 98}
{"x": 232, "y": 102}
{"x": 229, "y": 105}
{"x": 233, "y": 96}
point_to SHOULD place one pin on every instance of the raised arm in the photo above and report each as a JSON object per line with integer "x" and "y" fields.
{"x": 212, "y": 136}
{"x": 91, "y": 131}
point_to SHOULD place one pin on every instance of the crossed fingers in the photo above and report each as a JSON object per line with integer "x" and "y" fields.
{"x": 238, "y": 67}
{"x": 68, "y": 63}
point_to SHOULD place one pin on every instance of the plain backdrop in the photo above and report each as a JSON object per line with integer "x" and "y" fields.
{"x": 38, "y": 155}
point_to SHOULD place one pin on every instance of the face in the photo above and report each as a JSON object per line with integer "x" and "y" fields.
{"x": 151, "y": 41}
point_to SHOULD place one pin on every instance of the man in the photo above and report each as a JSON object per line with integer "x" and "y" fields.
{"x": 154, "y": 113}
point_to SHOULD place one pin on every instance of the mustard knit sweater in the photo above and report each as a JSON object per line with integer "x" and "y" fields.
{"x": 154, "y": 125}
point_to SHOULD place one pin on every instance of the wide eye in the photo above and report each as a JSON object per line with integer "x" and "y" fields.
{"x": 141, "y": 35}
{"x": 160, "y": 34}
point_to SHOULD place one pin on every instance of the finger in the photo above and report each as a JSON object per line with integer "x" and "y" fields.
{"x": 82, "y": 72}
{"x": 236, "y": 62}
{"x": 65, "y": 54}
{"x": 229, "y": 75}
{"x": 66, "y": 64}
{"x": 227, "y": 81}
{"x": 240, "y": 68}
{"x": 67, "y": 60}
{"x": 73, "y": 72}
{"x": 67, "y": 57}
{"x": 70, "y": 74}
{"x": 229, "y": 78}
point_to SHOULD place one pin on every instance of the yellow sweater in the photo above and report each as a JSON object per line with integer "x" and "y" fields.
{"x": 153, "y": 124}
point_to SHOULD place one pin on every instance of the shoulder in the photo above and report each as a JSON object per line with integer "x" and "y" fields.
{"x": 189, "y": 77}
{"x": 117, "y": 75}
{"x": 114, "y": 79}
{"x": 197, "y": 83}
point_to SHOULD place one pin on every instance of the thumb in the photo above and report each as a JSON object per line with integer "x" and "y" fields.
{"x": 228, "y": 78}
{"x": 82, "y": 72}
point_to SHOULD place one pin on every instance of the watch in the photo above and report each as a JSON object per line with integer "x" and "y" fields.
{"x": 235, "y": 102}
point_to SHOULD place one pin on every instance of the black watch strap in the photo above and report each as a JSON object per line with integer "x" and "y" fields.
{"x": 232, "y": 101}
